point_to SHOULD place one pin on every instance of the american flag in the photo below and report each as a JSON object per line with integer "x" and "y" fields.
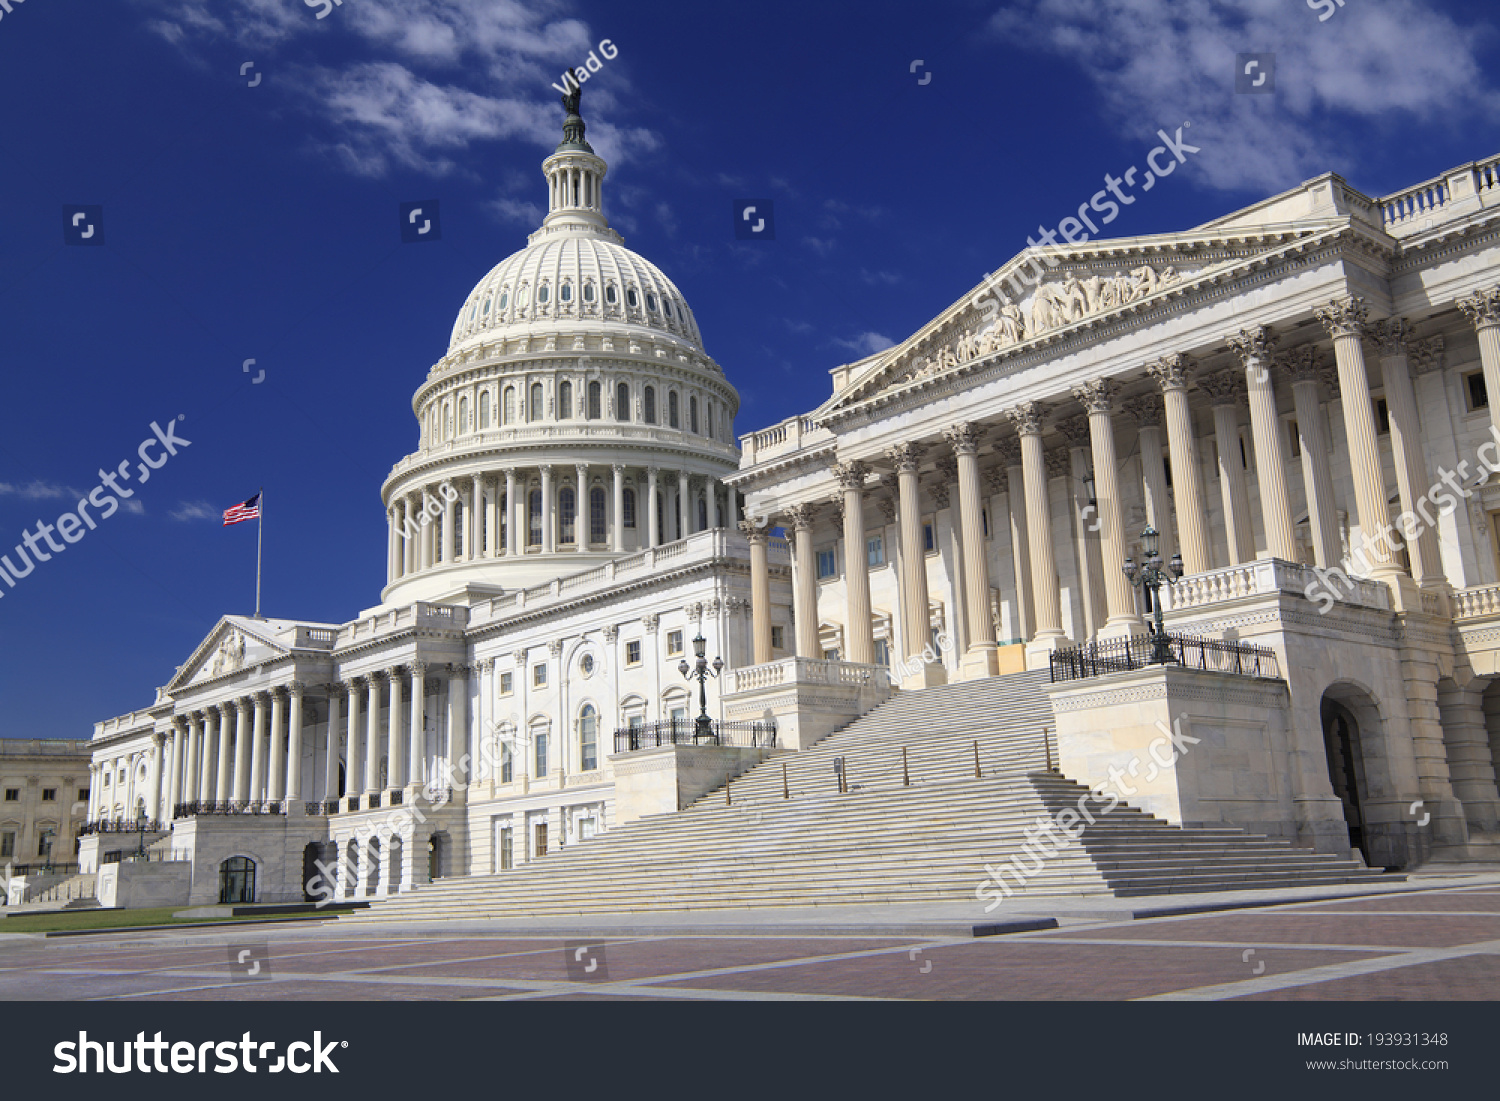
{"x": 249, "y": 510}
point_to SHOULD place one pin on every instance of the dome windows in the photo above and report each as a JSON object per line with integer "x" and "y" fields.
{"x": 632, "y": 299}
{"x": 666, "y": 307}
{"x": 588, "y": 292}
{"x": 595, "y": 397}
{"x": 543, "y": 294}
{"x": 504, "y": 300}
{"x": 523, "y": 297}
{"x": 565, "y": 401}
{"x": 487, "y": 306}
{"x": 566, "y": 292}
{"x": 538, "y": 403}
{"x": 622, "y": 403}
{"x": 610, "y": 294}
{"x": 650, "y": 402}
{"x": 651, "y": 302}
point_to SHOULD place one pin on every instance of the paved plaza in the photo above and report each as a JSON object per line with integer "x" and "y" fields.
{"x": 1418, "y": 943}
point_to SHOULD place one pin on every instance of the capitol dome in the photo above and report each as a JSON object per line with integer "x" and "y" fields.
{"x": 576, "y": 417}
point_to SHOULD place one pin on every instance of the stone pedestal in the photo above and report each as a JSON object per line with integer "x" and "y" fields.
{"x": 807, "y": 699}
{"x": 665, "y": 779}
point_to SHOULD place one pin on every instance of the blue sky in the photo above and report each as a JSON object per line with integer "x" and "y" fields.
{"x": 257, "y": 219}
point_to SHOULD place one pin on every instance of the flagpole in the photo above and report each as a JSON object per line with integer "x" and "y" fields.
{"x": 260, "y": 520}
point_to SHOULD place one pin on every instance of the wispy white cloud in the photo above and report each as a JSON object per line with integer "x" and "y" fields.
{"x": 196, "y": 510}
{"x": 821, "y": 245}
{"x": 866, "y": 344}
{"x": 40, "y": 491}
{"x": 421, "y": 89}
{"x": 1158, "y": 65}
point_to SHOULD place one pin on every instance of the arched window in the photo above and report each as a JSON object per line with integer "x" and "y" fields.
{"x": 565, "y": 401}
{"x": 236, "y": 881}
{"x": 448, "y": 422}
{"x": 588, "y": 738}
{"x": 484, "y": 409}
{"x": 505, "y": 523}
{"x": 672, "y": 418}
{"x": 537, "y": 402}
{"x": 598, "y": 517}
{"x": 710, "y": 418}
{"x": 463, "y": 414}
{"x": 534, "y": 535}
{"x": 567, "y": 512}
{"x": 510, "y": 405}
{"x": 702, "y": 513}
{"x": 650, "y": 401}
{"x": 507, "y": 764}
{"x": 595, "y": 397}
{"x": 693, "y": 415}
{"x": 629, "y": 508}
{"x": 622, "y": 402}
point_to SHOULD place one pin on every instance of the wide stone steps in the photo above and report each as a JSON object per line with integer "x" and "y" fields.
{"x": 909, "y": 845}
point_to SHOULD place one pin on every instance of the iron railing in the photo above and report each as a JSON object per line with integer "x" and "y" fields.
{"x": 1121, "y": 655}
{"x": 228, "y": 806}
{"x": 121, "y": 825}
{"x": 756, "y": 735}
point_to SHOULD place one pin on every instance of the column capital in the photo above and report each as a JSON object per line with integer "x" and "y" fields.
{"x": 618, "y": 468}
{"x": 1222, "y": 387}
{"x": 1390, "y": 336}
{"x": 1426, "y": 355}
{"x": 296, "y": 687}
{"x": 1095, "y": 395}
{"x": 964, "y": 438}
{"x": 653, "y": 472}
{"x": 458, "y": 670}
{"x": 1008, "y": 450}
{"x": 1346, "y": 316}
{"x": 851, "y": 475}
{"x": 1027, "y": 418}
{"x": 1482, "y": 308}
{"x": 1300, "y": 363}
{"x": 906, "y": 457}
{"x": 754, "y": 532}
{"x": 555, "y": 647}
{"x": 1075, "y": 430}
{"x": 486, "y": 665}
{"x": 546, "y": 469}
{"x": 1171, "y": 372}
{"x": 651, "y": 622}
{"x": 1144, "y": 410}
{"x": 394, "y": 672}
{"x": 1254, "y": 345}
{"x": 802, "y": 516}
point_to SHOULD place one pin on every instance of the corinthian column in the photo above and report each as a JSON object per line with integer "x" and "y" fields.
{"x": 915, "y": 614}
{"x": 334, "y": 753}
{"x": 806, "y": 592}
{"x": 276, "y": 770}
{"x": 1223, "y": 389}
{"x": 1047, "y": 598}
{"x": 1077, "y": 432}
{"x": 1171, "y": 374}
{"x": 294, "y": 742}
{"x": 1255, "y": 348}
{"x": 1344, "y": 318}
{"x": 516, "y": 507}
{"x": 617, "y": 515}
{"x": 1301, "y": 364}
{"x": 1096, "y": 397}
{"x": 1009, "y": 452}
{"x": 1391, "y": 337}
{"x": 859, "y": 632}
{"x": 395, "y": 744}
{"x": 242, "y": 751}
{"x": 760, "y": 590}
{"x": 653, "y": 514}
{"x": 1146, "y": 413}
{"x": 549, "y": 511}
{"x": 982, "y": 658}
{"x": 372, "y": 733}
{"x": 416, "y": 743}
{"x": 1482, "y": 308}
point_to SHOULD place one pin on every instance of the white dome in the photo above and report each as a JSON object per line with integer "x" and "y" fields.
{"x": 571, "y": 280}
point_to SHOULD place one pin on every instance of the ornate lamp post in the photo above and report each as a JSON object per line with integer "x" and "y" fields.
{"x": 1149, "y": 576}
{"x": 700, "y": 671}
{"x": 140, "y": 823}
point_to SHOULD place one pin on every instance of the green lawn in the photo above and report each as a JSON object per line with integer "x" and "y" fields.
{"x": 106, "y": 919}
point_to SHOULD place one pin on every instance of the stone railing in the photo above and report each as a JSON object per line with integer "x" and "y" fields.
{"x": 1408, "y": 209}
{"x": 1480, "y": 602}
{"x": 789, "y": 435}
{"x": 804, "y": 671}
{"x": 1267, "y": 576}
{"x": 316, "y": 638}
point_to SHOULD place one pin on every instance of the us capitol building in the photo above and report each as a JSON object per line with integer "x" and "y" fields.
{"x": 1279, "y": 394}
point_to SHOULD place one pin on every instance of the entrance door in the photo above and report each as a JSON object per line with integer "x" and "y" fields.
{"x": 236, "y": 881}
{"x": 1346, "y": 770}
{"x": 541, "y": 839}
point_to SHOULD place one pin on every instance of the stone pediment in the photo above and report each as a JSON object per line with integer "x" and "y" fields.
{"x": 233, "y": 645}
{"x": 1028, "y": 301}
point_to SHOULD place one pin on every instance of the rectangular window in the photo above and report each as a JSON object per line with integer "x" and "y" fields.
{"x": 635, "y": 722}
{"x": 632, "y": 653}
{"x": 541, "y": 754}
{"x": 1474, "y": 390}
{"x": 1382, "y": 417}
{"x": 507, "y": 854}
{"x": 507, "y": 765}
{"x": 874, "y": 551}
{"x": 827, "y": 567}
{"x": 830, "y": 655}
{"x": 585, "y": 828}
{"x": 678, "y": 716}
{"x": 49, "y": 795}
{"x": 12, "y": 795}
{"x": 538, "y": 676}
{"x": 541, "y": 839}
{"x": 882, "y": 652}
{"x": 8, "y": 843}
{"x": 674, "y": 643}
{"x": 778, "y": 637}
{"x": 83, "y": 795}
{"x": 929, "y": 538}
{"x": 507, "y": 683}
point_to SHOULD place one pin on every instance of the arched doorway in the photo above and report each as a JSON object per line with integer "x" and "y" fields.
{"x": 1346, "y": 769}
{"x": 236, "y": 881}
{"x": 320, "y": 881}
{"x": 351, "y": 868}
{"x": 394, "y": 858}
{"x": 372, "y": 868}
{"x": 1360, "y": 773}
